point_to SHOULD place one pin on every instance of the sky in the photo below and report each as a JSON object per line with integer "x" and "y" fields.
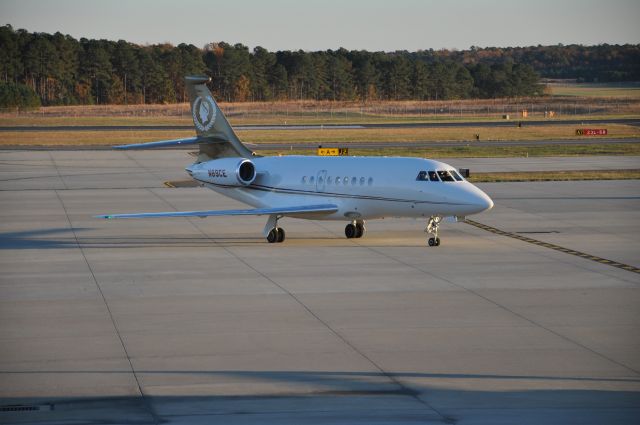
{"x": 311, "y": 25}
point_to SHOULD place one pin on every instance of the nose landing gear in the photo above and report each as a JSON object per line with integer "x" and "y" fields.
{"x": 355, "y": 229}
{"x": 432, "y": 228}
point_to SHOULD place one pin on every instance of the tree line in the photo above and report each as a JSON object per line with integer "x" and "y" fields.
{"x": 601, "y": 63}
{"x": 56, "y": 69}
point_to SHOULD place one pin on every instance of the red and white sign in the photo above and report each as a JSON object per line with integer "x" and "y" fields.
{"x": 591, "y": 132}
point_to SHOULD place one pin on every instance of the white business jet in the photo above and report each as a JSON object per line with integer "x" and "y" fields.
{"x": 353, "y": 189}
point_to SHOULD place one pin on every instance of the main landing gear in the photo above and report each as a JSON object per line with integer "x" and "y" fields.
{"x": 276, "y": 235}
{"x": 355, "y": 229}
{"x": 271, "y": 230}
{"x": 432, "y": 229}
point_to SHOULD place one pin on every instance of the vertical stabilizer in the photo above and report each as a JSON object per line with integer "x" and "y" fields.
{"x": 217, "y": 138}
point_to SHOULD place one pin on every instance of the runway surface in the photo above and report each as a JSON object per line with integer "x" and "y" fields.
{"x": 502, "y": 123}
{"x": 201, "y": 321}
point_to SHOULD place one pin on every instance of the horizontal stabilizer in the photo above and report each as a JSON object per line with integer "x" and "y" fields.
{"x": 160, "y": 144}
{"x": 294, "y": 210}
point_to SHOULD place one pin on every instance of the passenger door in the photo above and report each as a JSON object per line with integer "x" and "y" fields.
{"x": 321, "y": 180}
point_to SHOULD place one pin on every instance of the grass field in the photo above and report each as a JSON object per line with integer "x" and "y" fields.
{"x": 310, "y": 112}
{"x": 325, "y": 112}
{"x": 294, "y": 137}
{"x": 597, "y": 90}
{"x": 428, "y": 134}
{"x": 278, "y": 119}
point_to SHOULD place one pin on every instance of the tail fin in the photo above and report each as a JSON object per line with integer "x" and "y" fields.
{"x": 215, "y": 135}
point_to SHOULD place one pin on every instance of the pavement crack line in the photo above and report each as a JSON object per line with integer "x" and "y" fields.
{"x": 586, "y": 266}
{"x": 497, "y": 304}
{"x": 555, "y": 247}
{"x": 55, "y": 166}
{"x": 145, "y": 401}
{"x": 565, "y": 260}
{"x": 412, "y": 393}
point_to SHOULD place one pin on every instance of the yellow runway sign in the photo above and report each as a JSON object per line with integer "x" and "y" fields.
{"x": 333, "y": 151}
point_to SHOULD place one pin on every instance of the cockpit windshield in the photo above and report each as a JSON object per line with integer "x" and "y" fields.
{"x": 440, "y": 175}
{"x": 445, "y": 176}
{"x": 455, "y": 175}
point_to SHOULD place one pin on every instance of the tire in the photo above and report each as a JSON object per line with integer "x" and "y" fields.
{"x": 432, "y": 242}
{"x": 281, "y": 235}
{"x": 359, "y": 230}
{"x": 272, "y": 236}
{"x": 437, "y": 241}
{"x": 350, "y": 231}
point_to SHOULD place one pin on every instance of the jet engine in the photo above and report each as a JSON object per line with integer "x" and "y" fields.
{"x": 229, "y": 171}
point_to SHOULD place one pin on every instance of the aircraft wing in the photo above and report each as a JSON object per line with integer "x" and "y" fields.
{"x": 160, "y": 144}
{"x": 301, "y": 209}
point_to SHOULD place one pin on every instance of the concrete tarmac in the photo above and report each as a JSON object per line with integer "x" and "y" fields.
{"x": 201, "y": 321}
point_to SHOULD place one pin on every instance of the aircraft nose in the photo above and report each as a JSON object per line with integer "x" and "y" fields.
{"x": 483, "y": 201}
{"x": 477, "y": 200}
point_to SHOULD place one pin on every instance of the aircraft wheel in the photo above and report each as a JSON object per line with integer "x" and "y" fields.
{"x": 273, "y": 235}
{"x": 432, "y": 242}
{"x": 360, "y": 230}
{"x": 437, "y": 241}
{"x": 350, "y": 231}
{"x": 280, "y": 234}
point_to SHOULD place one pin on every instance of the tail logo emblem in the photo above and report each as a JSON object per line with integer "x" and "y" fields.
{"x": 204, "y": 113}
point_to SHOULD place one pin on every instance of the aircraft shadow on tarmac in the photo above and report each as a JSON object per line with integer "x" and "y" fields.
{"x": 432, "y": 403}
{"x": 39, "y": 239}
{"x": 335, "y": 379}
{"x": 64, "y": 238}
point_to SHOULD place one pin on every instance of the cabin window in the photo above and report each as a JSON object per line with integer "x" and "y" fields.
{"x": 354, "y": 180}
{"x": 361, "y": 181}
{"x": 422, "y": 176}
{"x": 345, "y": 181}
{"x": 311, "y": 179}
{"x": 304, "y": 179}
{"x": 433, "y": 176}
{"x": 445, "y": 176}
{"x": 329, "y": 180}
{"x": 455, "y": 175}
{"x": 370, "y": 181}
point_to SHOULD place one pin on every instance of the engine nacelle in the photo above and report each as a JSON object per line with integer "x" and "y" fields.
{"x": 228, "y": 171}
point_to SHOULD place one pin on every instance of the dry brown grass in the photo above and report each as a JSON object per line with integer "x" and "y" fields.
{"x": 427, "y": 134}
{"x": 293, "y": 137}
{"x": 296, "y": 112}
